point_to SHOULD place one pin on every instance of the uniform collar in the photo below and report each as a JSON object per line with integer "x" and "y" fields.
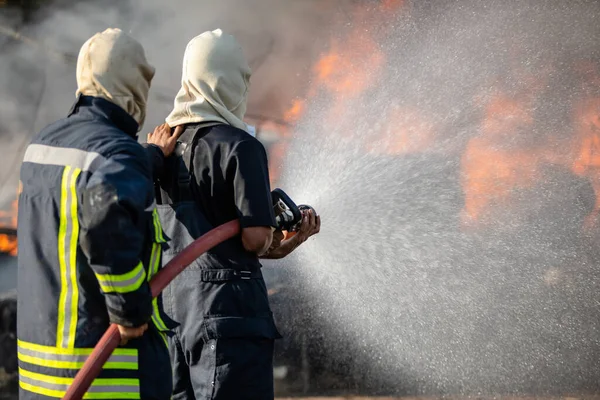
{"x": 105, "y": 109}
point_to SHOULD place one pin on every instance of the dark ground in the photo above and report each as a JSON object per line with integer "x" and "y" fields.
{"x": 8, "y": 345}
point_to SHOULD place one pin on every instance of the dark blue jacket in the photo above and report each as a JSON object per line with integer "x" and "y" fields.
{"x": 89, "y": 241}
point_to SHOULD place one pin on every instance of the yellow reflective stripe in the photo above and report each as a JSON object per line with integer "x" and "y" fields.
{"x": 61, "y": 393}
{"x": 124, "y": 283}
{"x": 62, "y": 233}
{"x": 67, "y": 381}
{"x": 68, "y": 236}
{"x": 154, "y": 260}
{"x": 158, "y": 322}
{"x": 42, "y": 391}
{"x": 76, "y": 351}
{"x": 74, "y": 364}
{"x": 154, "y": 267}
{"x": 100, "y": 388}
{"x": 73, "y": 249}
{"x": 159, "y": 238}
{"x": 164, "y": 338}
{"x": 54, "y": 357}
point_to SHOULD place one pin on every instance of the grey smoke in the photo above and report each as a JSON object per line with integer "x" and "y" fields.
{"x": 392, "y": 296}
{"x": 37, "y": 76}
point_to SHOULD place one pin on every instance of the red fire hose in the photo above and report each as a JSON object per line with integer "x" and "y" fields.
{"x": 111, "y": 339}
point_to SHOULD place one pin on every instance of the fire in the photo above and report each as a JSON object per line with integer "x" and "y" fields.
{"x": 491, "y": 168}
{"x": 341, "y": 71}
{"x": 513, "y": 144}
{"x": 8, "y": 243}
{"x": 587, "y": 162}
{"x": 295, "y": 112}
{"x": 348, "y": 69}
{"x": 351, "y": 65}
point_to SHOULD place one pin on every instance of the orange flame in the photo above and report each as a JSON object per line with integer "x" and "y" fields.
{"x": 8, "y": 244}
{"x": 492, "y": 169}
{"x": 500, "y": 161}
{"x": 587, "y": 162}
{"x": 344, "y": 72}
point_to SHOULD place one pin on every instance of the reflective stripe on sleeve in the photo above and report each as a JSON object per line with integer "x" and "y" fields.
{"x": 124, "y": 283}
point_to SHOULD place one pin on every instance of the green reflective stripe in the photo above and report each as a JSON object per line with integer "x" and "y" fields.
{"x": 154, "y": 267}
{"x": 101, "y": 388}
{"x": 124, "y": 283}
{"x": 164, "y": 338}
{"x": 73, "y": 357}
{"x": 158, "y": 322}
{"x": 73, "y": 242}
{"x": 159, "y": 238}
{"x": 62, "y": 233}
{"x": 154, "y": 260}
{"x": 98, "y": 382}
{"x": 60, "y": 394}
{"x": 68, "y": 236}
{"x": 54, "y": 357}
{"x": 132, "y": 366}
{"x": 77, "y": 351}
{"x": 62, "y": 156}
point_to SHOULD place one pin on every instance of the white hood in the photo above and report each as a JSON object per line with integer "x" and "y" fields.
{"x": 214, "y": 83}
{"x": 112, "y": 65}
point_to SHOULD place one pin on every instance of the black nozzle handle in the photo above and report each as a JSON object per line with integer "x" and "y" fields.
{"x": 277, "y": 195}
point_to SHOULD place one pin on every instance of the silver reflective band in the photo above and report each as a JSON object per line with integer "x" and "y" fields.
{"x": 62, "y": 156}
{"x": 124, "y": 283}
{"x": 75, "y": 358}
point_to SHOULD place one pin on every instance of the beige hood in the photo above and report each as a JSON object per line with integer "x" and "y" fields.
{"x": 112, "y": 65}
{"x": 214, "y": 83}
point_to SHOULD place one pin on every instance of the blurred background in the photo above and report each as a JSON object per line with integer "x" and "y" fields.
{"x": 452, "y": 147}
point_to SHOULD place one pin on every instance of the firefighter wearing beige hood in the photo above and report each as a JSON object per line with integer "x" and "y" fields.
{"x": 214, "y": 84}
{"x": 112, "y": 66}
{"x": 89, "y": 238}
{"x": 223, "y": 347}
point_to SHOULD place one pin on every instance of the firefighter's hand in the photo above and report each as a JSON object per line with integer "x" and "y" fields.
{"x": 131, "y": 333}
{"x": 165, "y": 137}
{"x": 311, "y": 225}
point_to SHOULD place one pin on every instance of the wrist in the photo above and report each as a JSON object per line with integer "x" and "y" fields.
{"x": 157, "y": 147}
{"x": 300, "y": 237}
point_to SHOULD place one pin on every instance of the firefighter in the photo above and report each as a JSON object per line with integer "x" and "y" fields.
{"x": 89, "y": 235}
{"x": 223, "y": 347}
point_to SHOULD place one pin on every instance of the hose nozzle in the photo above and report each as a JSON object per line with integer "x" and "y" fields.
{"x": 288, "y": 215}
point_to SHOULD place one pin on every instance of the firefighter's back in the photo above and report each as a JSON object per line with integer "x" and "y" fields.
{"x": 62, "y": 307}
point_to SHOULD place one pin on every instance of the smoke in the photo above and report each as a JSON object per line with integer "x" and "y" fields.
{"x": 37, "y": 69}
{"x": 397, "y": 291}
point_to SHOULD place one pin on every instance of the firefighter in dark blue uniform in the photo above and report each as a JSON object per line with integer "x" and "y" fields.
{"x": 90, "y": 238}
{"x": 223, "y": 347}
